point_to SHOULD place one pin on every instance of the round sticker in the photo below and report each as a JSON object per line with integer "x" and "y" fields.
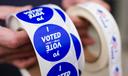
{"x": 76, "y": 45}
{"x": 63, "y": 69}
{"x": 36, "y": 15}
{"x": 61, "y": 14}
{"x": 52, "y": 42}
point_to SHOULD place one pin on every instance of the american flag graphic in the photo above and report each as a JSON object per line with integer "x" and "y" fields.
{"x": 116, "y": 71}
{"x": 114, "y": 47}
{"x": 103, "y": 17}
{"x": 114, "y": 43}
{"x": 101, "y": 13}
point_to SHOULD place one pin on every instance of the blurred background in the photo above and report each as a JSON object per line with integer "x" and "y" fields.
{"x": 121, "y": 16}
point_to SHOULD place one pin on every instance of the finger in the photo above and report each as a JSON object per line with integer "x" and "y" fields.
{"x": 6, "y": 10}
{"x": 68, "y": 3}
{"x": 22, "y": 38}
{"x": 8, "y": 51}
{"x": 104, "y": 4}
{"x": 87, "y": 40}
{"x": 89, "y": 57}
{"x": 12, "y": 39}
{"x": 16, "y": 56}
{"x": 22, "y": 8}
{"x": 83, "y": 32}
{"x": 85, "y": 37}
{"x": 80, "y": 22}
{"x": 81, "y": 1}
{"x": 82, "y": 26}
{"x": 24, "y": 63}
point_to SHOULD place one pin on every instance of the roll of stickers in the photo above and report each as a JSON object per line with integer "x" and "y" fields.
{"x": 49, "y": 28}
{"x": 109, "y": 36}
{"x": 75, "y": 37}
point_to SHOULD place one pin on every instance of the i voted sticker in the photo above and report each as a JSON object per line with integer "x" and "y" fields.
{"x": 61, "y": 14}
{"x": 63, "y": 69}
{"x": 76, "y": 45}
{"x": 36, "y": 15}
{"x": 52, "y": 42}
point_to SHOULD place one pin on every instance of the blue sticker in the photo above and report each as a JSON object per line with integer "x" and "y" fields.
{"x": 36, "y": 15}
{"x": 61, "y": 14}
{"x": 52, "y": 42}
{"x": 63, "y": 69}
{"x": 76, "y": 45}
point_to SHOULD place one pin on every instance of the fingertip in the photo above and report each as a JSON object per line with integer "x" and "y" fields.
{"x": 27, "y": 7}
{"x": 22, "y": 8}
{"x": 88, "y": 41}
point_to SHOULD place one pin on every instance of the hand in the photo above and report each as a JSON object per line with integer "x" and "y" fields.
{"x": 69, "y": 3}
{"x": 81, "y": 24}
{"x": 15, "y": 47}
{"x": 22, "y": 57}
{"x": 6, "y": 10}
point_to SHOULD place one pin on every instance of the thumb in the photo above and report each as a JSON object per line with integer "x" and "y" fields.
{"x": 6, "y": 10}
{"x": 22, "y": 8}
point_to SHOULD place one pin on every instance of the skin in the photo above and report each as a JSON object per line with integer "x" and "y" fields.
{"x": 15, "y": 47}
{"x": 69, "y": 3}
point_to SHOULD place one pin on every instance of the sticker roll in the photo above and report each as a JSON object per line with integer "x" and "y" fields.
{"x": 75, "y": 37}
{"x": 51, "y": 40}
{"x": 109, "y": 36}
